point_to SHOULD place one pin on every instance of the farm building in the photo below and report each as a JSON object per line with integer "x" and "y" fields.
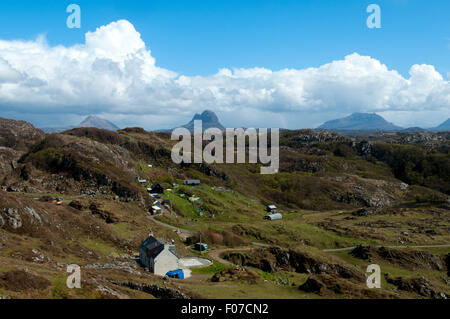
{"x": 273, "y": 216}
{"x": 157, "y": 256}
{"x": 271, "y": 208}
{"x": 157, "y": 189}
{"x": 156, "y": 210}
{"x": 192, "y": 182}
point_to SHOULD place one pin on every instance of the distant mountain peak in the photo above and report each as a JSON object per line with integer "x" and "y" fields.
{"x": 444, "y": 126}
{"x": 89, "y": 121}
{"x": 207, "y": 116}
{"x": 98, "y": 122}
{"x": 209, "y": 120}
{"x": 360, "y": 121}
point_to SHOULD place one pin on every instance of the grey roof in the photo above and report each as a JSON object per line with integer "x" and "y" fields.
{"x": 193, "y": 181}
{"x": 155, "y": 246}
{"x": 173, "y": 251}
{"x": 275, "y": 216}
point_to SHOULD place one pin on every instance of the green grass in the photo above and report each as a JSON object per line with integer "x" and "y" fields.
{"x": 101, "y": 247}
{"x": 323, "y": 238}
{"x": 121, "y": 229}
{"x": 239, "y": 290}
{"x": 212, "y": 269}
{"x": 58, "y": 291}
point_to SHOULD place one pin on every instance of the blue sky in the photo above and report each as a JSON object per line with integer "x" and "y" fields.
{"x": 198, "y": 38}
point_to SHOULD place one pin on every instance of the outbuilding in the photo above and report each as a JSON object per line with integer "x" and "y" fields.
{"x": 273, "y": 216}
{"x": 158, "y": 256}
{"x": 156, "y": 210}
{"x": 271, "y": 208}
{"x": 201, "y": 246}
{"x": 157, "y": 189}
{"x": 192, "y": 182}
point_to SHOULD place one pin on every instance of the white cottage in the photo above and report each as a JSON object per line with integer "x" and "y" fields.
{"x": 157, "y": 256}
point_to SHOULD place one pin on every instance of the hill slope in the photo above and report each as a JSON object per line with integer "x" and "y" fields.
{"x": 333, "y": 191}
{"x": 445, "y": 126}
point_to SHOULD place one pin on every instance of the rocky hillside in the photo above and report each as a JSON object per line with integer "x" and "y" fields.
{"x": 18, "y": 135}
{"x": 333, "y": 190}
{"x": 16, "y": 138}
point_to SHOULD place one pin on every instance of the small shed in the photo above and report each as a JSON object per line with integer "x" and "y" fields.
{"x": 192, "y": 182}
{"x": 273, "y": 216}
{"x": 157, "y": 203}
{"x": 193, "y": 199}
{"x": 156, "y": 210}
{"x": 142, "y": 181}
{"x": 271, "y": 208}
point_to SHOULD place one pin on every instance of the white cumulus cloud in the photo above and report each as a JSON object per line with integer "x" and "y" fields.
{"x": 114, "y": 74}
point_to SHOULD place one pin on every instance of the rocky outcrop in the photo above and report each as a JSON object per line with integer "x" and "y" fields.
{"x": 108, "y": 217}
{"x": 406, "y": 258}
{"x": 77, "y": 205}
{"x": 13, "y": 217}
{"x": 33, "y": 214}
{"x": 320, "y": 136}
{"x": 8, "y": 160}
{"x": 276, "y": 259}
{"x": 367, "y": 192}
{"x": 421, "y": 286}
{"x": 18, "y": 135}
{"x": 429, "y": 140}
